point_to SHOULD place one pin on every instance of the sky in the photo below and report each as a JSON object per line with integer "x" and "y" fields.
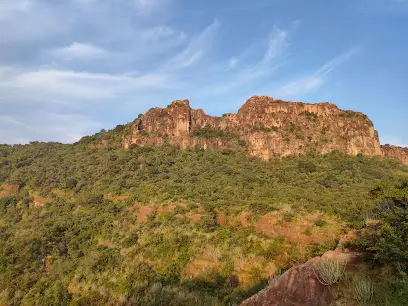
{"x": 70, "y": 68}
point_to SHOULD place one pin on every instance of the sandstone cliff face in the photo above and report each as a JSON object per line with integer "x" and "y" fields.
{"x": 264, "y": 127}
{"x": 396, "y": 152}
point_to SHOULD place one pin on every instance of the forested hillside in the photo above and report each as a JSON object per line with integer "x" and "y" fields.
{"x": 163, "y": 226}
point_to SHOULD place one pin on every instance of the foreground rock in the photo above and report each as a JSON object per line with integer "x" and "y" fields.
{"x": 299, "y": 285}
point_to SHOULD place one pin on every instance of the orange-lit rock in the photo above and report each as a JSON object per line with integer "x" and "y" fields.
{"x": 264, "y": 127}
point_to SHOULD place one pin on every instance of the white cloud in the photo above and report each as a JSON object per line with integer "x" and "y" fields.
{"x": 196, "y": 49}
{"x": 161, "y": 32}
{"x": 65, "y": 84}
{"x": 60, "y": 105}
{"x": 276, "y": 45}
{"x": 316, "y": 80}
{"x": 244, "y": 73}
{"x": 80, "y": 51}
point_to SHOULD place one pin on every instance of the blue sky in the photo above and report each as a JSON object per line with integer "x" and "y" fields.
{"x": 70, "y": 68}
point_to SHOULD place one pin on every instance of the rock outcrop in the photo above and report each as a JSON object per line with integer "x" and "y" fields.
{"x": 396, "y": 152}
{"x": 264, "y": 127}
{"x": 300, "y": 286}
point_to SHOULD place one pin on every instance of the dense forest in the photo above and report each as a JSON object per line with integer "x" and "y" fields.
{"x": 163, "y": 226}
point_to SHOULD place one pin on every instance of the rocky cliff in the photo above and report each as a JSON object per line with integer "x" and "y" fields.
{"x": 301, "y": 286}
{"x": 264, "y": 127}
{"x": 396, "y": 152}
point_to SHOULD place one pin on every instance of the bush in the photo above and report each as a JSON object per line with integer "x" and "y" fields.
{"x": 71, "y": 183}
{"x": 320, "y": 222}
{"x": 387, "y": 240}
{"x": 91, "y": 198}
{"x": 6, "y": 202}
{"x": 208, "y": 132}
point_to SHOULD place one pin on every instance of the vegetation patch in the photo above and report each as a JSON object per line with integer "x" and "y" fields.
{"x": 207, "y": 132}
{"x": 116, "y": 227}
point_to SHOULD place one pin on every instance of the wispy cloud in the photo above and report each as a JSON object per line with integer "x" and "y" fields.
{"x": 161, "y": 32}
{"x": 65, "y": 84}
{"x": 80, "y": 51}
{"x": 315, "y": 80}
{"x": 196, "y": 49}
{"x": 13, "y": 121}
{"x": 245, "y": 69}
{"x": 60, "y": 105}
{"x": 276, "y": 45}
{"x": 147, "y": 6}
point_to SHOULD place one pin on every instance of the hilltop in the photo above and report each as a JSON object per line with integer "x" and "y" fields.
{"x": 263, "y": 127}
{"x": 177, "y": 208}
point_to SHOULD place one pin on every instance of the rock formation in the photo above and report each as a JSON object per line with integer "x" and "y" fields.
{"x": 264, "y": 127}
{"x": 300, "y": 286}
{"x": 396, "y": 152}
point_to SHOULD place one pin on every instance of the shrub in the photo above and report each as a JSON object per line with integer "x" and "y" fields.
{"x": 208, "y": 132}
{"x": 306, "y": 166}
{"x": 242, "y": 143}
{"x": 363, "y": 289}
{"x": 261, "y": 128}
{"x": 308, "y": 231}
{"x": 386, "y": 240}
{"x": 310, "y": 115}
{"x": 292, "y": 127}
{"x": 288, "y": 216}
{"x": 278, "y": 273}
{"x": 320, "y": 222}
{"x": 130, "y": 241}
{"x": 91, "y": 198}
{"x": 329, "y": 272}
{"x": 71, "y": 183}
{"x": 208, "y": 223}
{"x": 144, "y": 133}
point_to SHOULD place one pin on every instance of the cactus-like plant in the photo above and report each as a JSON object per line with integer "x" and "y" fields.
{"x": 329, "y": 272}
{"x": 363, "y": 289}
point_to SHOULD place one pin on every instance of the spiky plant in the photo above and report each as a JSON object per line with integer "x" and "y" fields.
{"x": 363, "y": 289}
{"x": 329, "y": 272}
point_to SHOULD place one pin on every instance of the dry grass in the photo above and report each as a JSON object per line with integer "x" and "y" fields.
{"x": 244, "y": 217}
{"x": 202, "y": 265}
{"x": 39, "y": 201}
{"x": 301, "y": 229}
{"x": 7, "y": 190}
{"x": 144, "y": 213}
{"x": 106, "y": 243}
{"x": 222, "y": 219}
{"x": 195, "y": 217}
{"x": 115, "y": 198}
{"x": 169, "y": 208}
